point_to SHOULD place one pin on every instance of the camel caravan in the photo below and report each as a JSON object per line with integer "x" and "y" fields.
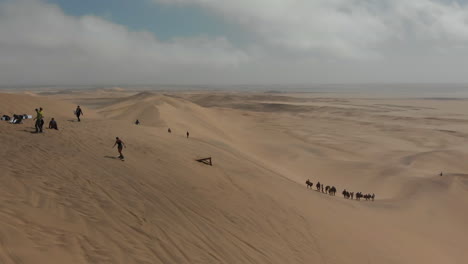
{"x": 331, "y": 190}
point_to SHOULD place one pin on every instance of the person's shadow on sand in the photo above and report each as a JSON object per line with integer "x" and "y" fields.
{"x": 29, "y": 131}
{"x": 111, "y": 157}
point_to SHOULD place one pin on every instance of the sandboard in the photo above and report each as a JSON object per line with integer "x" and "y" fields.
{"x": 122, "y": 158}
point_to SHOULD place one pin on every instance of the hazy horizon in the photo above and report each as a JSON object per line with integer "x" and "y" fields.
{"x": 414, "y": 90}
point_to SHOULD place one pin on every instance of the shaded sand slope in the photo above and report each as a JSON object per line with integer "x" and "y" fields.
{"x": 67, "y": 199}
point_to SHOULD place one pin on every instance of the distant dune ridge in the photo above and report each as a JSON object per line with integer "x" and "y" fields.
{"x": 66, "y": 198}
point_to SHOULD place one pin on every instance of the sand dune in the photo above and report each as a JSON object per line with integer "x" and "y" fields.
{"x": 66, "y": 198}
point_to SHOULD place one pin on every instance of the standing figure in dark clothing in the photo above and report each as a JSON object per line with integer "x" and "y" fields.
{"x": 78, "y": 113}
{"x": 188, "y": 134}
{"x": 41, "y": 125}
{"x": 120, "y": 144}
{"x": 39, "y": 121}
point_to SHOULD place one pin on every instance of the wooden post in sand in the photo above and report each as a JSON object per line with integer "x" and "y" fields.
{"x": 207, "y": 161}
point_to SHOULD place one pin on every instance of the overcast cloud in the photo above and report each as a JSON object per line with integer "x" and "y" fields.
{"x": 292, "y": 41}
{"x": 345, "y": 28}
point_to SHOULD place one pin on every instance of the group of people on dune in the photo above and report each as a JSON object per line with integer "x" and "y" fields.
{"x": 331, "y": 190}
{"x": 53, "y": 125}
{"x": 39, "y": 124}
{"x": 78, "y": 113}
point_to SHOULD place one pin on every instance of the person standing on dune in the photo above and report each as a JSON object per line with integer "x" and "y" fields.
{"x": 120, "y": 144}
{"x": 41, "y": 111}
{"x": 78, "y": 112}
{"x": 38, "y": 124}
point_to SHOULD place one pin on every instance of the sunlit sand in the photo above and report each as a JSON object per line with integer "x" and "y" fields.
{"x": 66, "y": 198}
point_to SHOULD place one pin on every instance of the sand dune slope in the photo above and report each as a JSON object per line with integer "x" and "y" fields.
{"x": 166, "y": 111}
{"x": 66, "y": 198}
{"x": 25, "y": 104}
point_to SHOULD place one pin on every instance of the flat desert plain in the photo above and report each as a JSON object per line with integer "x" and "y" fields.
{"x": 67, "y": 198}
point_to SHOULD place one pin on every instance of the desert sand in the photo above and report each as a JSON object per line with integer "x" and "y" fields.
{"x": 66, "y": 198}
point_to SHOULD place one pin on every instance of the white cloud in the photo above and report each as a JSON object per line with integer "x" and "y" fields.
{"x": 292, "y": 41}
{"x": 39, "y": 43}
{"x": 345, "y": 28}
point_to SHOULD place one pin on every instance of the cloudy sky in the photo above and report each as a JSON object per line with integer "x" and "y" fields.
{"x": 232, "y": 41}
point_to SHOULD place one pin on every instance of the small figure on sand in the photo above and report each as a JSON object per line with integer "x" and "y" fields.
{"x": 53, "y": 124}
{"x": 169, "y": 130}
{"x": 78, "y": 113}
{"x": 137, "y": 122}
{"x": 42, "y": 114}
{"x": 188, "y": 134}
{"x": 440, "y": 174}
{"x": 39, "y": 120}
{"x": 120, "y": 144}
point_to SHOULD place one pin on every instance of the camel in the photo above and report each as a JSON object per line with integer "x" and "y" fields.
{"x": 345, "y": 194}
{"x": 358, "y": 196}
{"x": 309, "y": 184}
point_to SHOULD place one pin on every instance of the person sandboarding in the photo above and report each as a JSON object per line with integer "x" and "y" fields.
{"x": 120, "y": 144}
{"x": 78, "y": 113}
